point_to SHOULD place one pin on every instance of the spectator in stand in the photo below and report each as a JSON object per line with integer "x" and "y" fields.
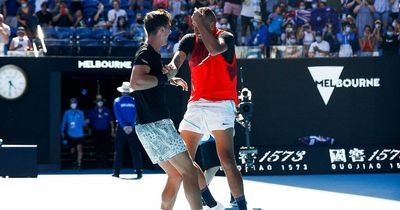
{"x": 394, "y": 7}
{"x": 377, "y": 33}
{"x": 27, "y": 19}
{"x": 54, "y": 6}
{"x": 99, "y": 18}
{"x": 271, "y": 4}
{"x": 347, "y": 8}
{"x": 382, "y": 8}
{"x": 249, "y": 9}
{"x": 214, "y": 5}
{"x": 275, "y": 22}
{"x": 121, "y": 32}
{"x": 260, "y": 36}
{"x": 38, "y": 5}
{"x": 77, "y": 11}
{"x": 367, "y": 42}
{"x": 306, "y": 36}
{"x": 291, "y": 39}
{"x": 137, "y": 29}
{"x": 20, "y": 44}
{"x": 223, "y": 24}
{"x": 345, "y": 37}
{"x": 232, "y": 10}
{"x": 136, "y": 5}
{"x": 44, "y": 16}
{"x": 10, "y": 12}
{"x": 285, "y": 36}
{"x": 301, "y": 6}
{"x": 5, "y": 33}
{"x": 320, "y": 48}
{"x": 160, "y": 4}
{"x": 114, "y": 13}
{"x": 175, "y": 7}
{"x": 390, "y": 43}
{"x": 62, "y": 16}
{"x": 329, "y": 35}
{"x": 364, "y": 11}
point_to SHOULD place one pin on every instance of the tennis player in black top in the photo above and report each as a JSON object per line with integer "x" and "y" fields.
{"x": 154, "y": 127}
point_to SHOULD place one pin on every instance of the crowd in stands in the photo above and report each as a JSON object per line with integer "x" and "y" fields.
{"x": 318, "y": 28}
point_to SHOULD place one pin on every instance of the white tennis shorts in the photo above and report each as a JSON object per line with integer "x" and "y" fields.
{"x": 204, "y": 116}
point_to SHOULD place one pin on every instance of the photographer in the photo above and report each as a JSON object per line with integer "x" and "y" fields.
{"x": 21, "y": 43}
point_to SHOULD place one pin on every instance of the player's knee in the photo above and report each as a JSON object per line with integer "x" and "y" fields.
{"x": 174, "y": 178}
{"x": 189, "y": 172}
{"x": 228, "y": 164}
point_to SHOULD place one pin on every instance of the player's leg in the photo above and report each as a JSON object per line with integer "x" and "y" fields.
{"x": 172, "y": 186}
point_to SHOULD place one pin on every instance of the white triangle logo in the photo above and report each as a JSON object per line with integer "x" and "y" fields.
{"x": 322, "y": 73}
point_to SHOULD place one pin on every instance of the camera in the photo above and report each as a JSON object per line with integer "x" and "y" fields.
{"x": 245, "y": 105}
{"x": 247, "y": 154}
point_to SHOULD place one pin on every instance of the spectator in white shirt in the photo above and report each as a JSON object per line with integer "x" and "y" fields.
{"x": 114, "y": 13}
{"x": 320, "y": 48}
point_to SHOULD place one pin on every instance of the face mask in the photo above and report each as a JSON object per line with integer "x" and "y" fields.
{"x": 24, "y": 5}
{"x": 348, "y": 29}
{"x": 366, "y": 34}
{"x": 314, "y": 6}
{"x": 100, "y": 103}
{"x": 302, "y": 7}
{"x": 318, "y": 39}
{"x": 377, "y": 25}
{"x": 394, "y": 24}
{"x": 390, "y": 33}
{"x": 289, "y": 30}
{"x": 73, "y": 106}
{"x": 139, "y": 21}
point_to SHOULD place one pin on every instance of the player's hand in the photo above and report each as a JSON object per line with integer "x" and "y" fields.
{"x": 197, "y": 16}
{"x": 179, "y": 82}
{"x": 168, "y": 68}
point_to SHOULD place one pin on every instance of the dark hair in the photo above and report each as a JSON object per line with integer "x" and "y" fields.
{"x": 156, "y": 19}
{"x": 209, "y": 14}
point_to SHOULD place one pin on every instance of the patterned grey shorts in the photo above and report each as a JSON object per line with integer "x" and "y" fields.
{"x": 160, "y": 140}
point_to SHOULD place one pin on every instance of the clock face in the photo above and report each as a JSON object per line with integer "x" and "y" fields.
{"x": 12, "y": 82}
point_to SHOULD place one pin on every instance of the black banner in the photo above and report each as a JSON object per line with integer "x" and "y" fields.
{"x": 284, "y": 160}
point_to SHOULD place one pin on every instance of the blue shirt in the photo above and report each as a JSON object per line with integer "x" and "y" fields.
{"x": 345, "y": 38}
{"x": 75, "y": 120}
{"x": 275, "y": 24}
{"x": 100, "y": 118}
{"x": 259, "y": 36}
{"x": 125, "y": 110}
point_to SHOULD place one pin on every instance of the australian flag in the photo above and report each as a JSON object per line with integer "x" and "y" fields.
{"x": 301, "y": 16}
{"x": 316, "y": 17}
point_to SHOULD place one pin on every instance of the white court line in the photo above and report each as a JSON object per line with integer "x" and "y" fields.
{"x": 98, "y": 192}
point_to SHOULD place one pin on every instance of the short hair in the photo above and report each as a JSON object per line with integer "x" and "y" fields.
{"x": 209, "y": 14}
{"x": 156, "y": 19}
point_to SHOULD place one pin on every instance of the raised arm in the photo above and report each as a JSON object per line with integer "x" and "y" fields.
{"x": 214, "y": 45}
